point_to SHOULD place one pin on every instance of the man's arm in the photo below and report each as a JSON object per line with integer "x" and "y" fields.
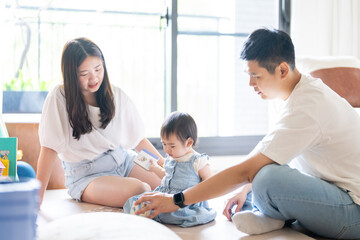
{"x": 227, "y": 180}
{"x": 215, "y": 186}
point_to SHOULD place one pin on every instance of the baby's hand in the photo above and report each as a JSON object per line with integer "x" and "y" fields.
{"x": 157, "y": 169}
{"x": 154, "y": 165}
{"x": 144, "y": 159}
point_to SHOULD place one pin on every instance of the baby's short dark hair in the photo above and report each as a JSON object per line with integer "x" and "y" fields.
{"x": 182, "y": 125}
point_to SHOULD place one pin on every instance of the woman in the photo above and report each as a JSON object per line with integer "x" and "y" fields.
{"x": 90, "y": 124}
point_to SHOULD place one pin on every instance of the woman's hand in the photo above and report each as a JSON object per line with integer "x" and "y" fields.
{"x": 157, "y": 202}
{"x": 239, "y": 200}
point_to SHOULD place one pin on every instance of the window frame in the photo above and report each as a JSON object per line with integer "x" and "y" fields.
{"x": 215, "y": 146}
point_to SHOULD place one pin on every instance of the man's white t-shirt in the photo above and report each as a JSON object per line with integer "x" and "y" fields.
{"x": 126, "y": 129}
{"x": 321, "y": 132}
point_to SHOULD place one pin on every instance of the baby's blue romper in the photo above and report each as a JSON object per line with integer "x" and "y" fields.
{"x": 180, "y": 176}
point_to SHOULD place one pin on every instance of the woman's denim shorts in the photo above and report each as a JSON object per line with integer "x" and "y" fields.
{"x": 117, "y": 162}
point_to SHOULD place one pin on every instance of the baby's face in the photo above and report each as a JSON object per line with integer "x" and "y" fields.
{"x": 174, "y": 147}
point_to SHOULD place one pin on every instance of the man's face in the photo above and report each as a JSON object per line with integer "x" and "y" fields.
{"x": 265, "y": 84}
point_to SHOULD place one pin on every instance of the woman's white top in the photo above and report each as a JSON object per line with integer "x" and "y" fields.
{"x": 126, "y": 129}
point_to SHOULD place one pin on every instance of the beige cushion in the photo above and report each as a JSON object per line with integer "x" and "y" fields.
{"x": 310, "y": 64}
{"x": 340, "y": 73}
{"x": 344, "y": 81}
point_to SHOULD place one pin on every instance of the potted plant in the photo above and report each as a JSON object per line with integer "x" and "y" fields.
{"x": 20, "y": 96}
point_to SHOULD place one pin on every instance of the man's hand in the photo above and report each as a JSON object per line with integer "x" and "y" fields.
{"x": 239, "y": 200}
{"x": 157, "y": 202}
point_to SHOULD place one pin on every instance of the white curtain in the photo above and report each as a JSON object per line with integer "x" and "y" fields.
{"x": 326, "y": 27}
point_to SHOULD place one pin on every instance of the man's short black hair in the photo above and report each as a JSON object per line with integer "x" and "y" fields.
{"x": 269, "y": 47}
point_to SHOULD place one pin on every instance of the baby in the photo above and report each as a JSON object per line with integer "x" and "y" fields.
{"x": 184, "y": 168}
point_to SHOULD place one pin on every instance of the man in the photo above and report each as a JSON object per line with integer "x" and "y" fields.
{"x": 317, "y": 128}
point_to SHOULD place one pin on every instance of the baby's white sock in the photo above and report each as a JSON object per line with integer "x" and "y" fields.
{"x": 256, "y": 222}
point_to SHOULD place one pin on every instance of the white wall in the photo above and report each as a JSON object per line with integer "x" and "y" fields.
{"x": 326, "y": 27}
{"x": 321, "y": 28}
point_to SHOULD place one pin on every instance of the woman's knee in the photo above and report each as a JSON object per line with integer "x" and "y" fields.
{"x": 146, "y": 186}
{"x": 137, "y": 187}
{"x": 112, "y": 191}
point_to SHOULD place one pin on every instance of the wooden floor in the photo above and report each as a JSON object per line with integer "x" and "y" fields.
{"x": 58, "y": 204}
{"x": 219, "y": 163}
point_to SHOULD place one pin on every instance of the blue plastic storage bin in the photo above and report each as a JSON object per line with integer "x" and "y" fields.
{"x": 19, "y": 203}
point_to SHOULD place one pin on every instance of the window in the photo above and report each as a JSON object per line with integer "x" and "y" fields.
{"x": 128, "y": 33}
{"x": 141, "y": 52}
{"x": 210, "y": 72}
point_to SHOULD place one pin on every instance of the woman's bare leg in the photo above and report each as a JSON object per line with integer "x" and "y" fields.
{"x": 145, "y": 176}
{"x": 114, "y": 191}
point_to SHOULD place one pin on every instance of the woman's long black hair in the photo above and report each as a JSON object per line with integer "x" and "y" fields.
{"x": 74, "y": 53}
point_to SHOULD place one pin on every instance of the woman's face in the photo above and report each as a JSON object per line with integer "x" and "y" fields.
{"x": 90, "y": 75}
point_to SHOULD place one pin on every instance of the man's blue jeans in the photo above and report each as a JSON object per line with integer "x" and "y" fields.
{"x": 284, "y": 193}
